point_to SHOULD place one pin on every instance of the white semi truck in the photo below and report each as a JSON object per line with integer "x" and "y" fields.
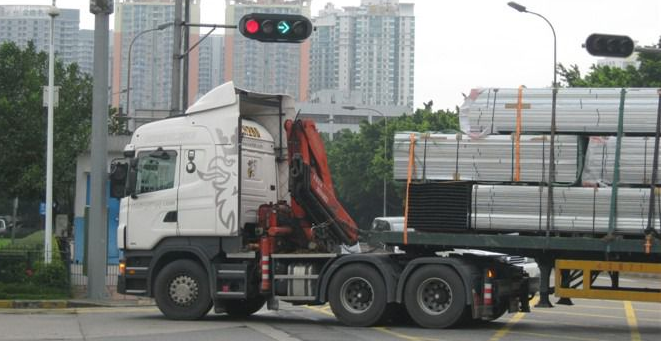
{"x": 231, "y": 205}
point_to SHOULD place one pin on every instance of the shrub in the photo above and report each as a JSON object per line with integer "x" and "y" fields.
{"x": 51, "y": 275}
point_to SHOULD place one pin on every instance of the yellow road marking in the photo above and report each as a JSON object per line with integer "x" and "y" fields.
{"x": 591, "y": 315}
{"x": 542, "y": 335}
{"x": 321, "y": 310}
{"x": 507, "y": 328}
{"x": 327, "y": 311}
{"x": 398, "y": 335}
{"x": 616, "y": 308}
{"x": 632, "y": 321}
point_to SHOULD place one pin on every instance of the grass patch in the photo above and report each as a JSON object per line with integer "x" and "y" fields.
{"x": 33, "y": 240}
{"x": 29, "y": 291}
{"x": 4, "y": 242}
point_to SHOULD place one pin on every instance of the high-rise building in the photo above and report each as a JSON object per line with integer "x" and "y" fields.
{"x": 367, "y": 49}
{"x": 85, "y": 51}
{"x": 23, "y": 23}
{"x": 210, "y": 63}
{"x": 151, "y": 56}
{"x": 269, "y": 68}
{"x": 621, "y": 63}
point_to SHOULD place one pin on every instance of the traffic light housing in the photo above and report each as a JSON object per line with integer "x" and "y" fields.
{"x": 275, "y": 28}
{"x": 607, "y": 45}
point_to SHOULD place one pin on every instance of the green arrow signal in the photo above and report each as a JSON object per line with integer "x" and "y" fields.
{"x": 283, "y": 27}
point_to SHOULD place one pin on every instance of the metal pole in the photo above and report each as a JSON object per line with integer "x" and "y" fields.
{"x": 48, "y": 233}
{"x": 14, "y": 213}
{"x": 550, "y": 216}
{"x": 97, "y": 228}
{"x": 177, "y": 46}
{"x": 185, "y": 59}
{"x": 384, "y": 178}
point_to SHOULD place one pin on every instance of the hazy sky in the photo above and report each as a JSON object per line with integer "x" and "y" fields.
{"x": 463, "y": 44}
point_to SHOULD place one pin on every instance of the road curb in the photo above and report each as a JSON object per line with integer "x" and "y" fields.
{"x": 64, "y": 304}
{"x": 33, "y": 304}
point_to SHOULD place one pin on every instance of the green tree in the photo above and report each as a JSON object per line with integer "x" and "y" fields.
{"x": 23, "y": 72}
{"x": 646, "y": 75}
{"x": 358, "y": 164}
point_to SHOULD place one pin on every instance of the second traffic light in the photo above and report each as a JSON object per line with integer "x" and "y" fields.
{"x": 607, "y": 45}
{"x": 275, "y": 28}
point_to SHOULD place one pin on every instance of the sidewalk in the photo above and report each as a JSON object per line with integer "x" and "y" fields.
{"x": 79, "y": 300}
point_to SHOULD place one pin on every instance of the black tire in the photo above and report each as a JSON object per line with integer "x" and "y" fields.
{"x": 243, "y": 307}
{"x": 358, "y": 295}
{"x": 181, "y": 291}
{"x": 435, "y": 297}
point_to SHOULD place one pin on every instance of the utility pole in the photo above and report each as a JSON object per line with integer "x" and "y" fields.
{"x": 177, "y": 51}
{"x": 97, "y": 228}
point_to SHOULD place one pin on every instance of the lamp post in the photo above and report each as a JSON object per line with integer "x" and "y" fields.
{"x": 545, "y": 273}
{"x": 158, "y": 28}
{"x": 48, "y": 229}
{"x": 384, "y": 179}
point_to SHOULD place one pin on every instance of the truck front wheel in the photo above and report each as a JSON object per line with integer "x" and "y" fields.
{"x": 358, "y": 295}
{"x": 181, "y": 291}
{"x": 435, "y": 297}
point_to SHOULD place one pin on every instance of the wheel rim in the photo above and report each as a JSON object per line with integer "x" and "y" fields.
{"x": 356, "y": 295}
{"x": 183, "y": 290}
{"x": 434, "y": 296}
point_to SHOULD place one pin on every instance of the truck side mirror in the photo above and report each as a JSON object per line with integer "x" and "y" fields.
{"x": 118, "y": 179}
{"x": 132, "y": 177}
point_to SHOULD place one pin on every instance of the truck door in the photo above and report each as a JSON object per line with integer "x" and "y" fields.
{"x": 197, "y": 208}
{"x": 152, "y": 210}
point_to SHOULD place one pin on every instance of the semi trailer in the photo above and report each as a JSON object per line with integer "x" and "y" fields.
{"x": 231, "y": 206}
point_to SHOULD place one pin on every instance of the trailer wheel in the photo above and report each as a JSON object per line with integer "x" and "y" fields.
{"x": 435, "y": 297}
{"x": 181, "y": 291}
{"x": 358, "y": 295}
{"x": 243, "y": 307}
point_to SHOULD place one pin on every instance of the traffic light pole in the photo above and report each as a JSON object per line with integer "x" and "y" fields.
{"x": 177, "y": 60}
{"x": 98, "y": 222}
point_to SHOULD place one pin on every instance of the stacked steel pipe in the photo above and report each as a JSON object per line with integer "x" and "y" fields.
{"x": 504, "y": 159}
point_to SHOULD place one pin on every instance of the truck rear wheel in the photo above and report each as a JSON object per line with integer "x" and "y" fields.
{"x": 435, "y": 297}
{"x": 181, "y": 291}
{"x": 358, "y": 295}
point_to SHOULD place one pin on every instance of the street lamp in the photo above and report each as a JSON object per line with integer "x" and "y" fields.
{"x": 158, "y": 28}
{"x": 384, "y": 180}
{"x": 48, "y": 228}
{"x": 544, "y": 302}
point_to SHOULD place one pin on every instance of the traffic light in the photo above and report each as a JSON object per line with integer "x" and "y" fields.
{"x": 275, "y": 28}
{"x": 607, "y": 45}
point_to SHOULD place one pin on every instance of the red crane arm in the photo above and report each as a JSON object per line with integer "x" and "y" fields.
{"x": 311, "y": 184}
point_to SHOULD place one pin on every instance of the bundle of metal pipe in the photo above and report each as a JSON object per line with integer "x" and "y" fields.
{"x": 579, "y": 110}
{"x": 637, "y": 156}
{"x": 490, "y": 158}
{"x": 576, "y": 209}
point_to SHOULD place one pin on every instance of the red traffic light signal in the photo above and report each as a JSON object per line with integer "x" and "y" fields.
{"x": 607, "y": 45}
{"x": 280, "y": 28}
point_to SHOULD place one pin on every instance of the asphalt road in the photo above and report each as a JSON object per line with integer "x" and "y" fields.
{"x": 587, "y": 320}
